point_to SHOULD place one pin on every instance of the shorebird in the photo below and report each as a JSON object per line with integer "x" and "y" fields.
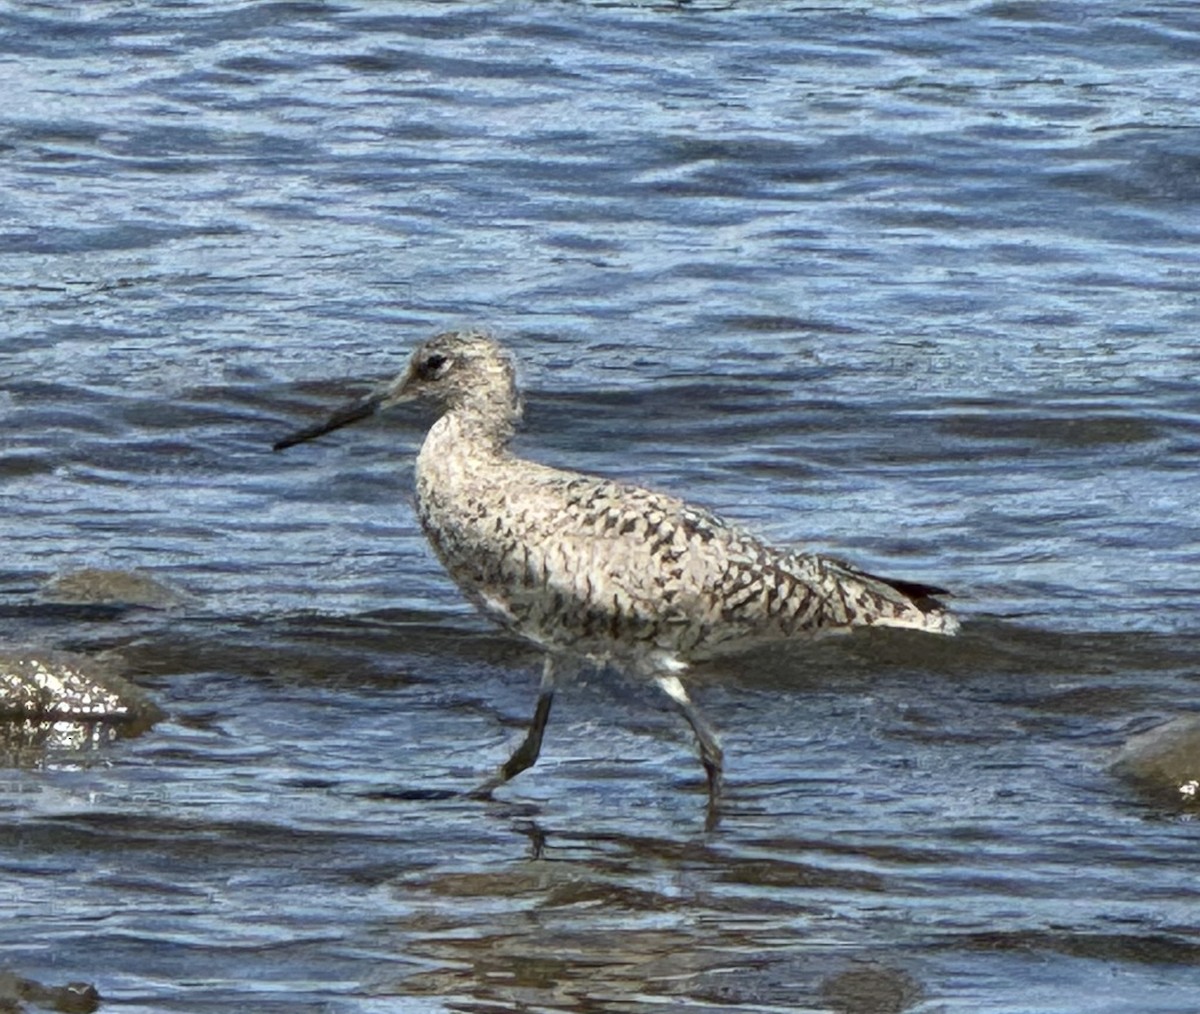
{"x": 597, "y": 571}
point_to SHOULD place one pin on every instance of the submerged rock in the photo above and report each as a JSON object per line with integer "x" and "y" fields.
{"x": 94, "y": 585}
{"x": 1164, "y": 762}
{"x": 870, "y": 988}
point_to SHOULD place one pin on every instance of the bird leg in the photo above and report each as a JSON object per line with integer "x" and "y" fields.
{"x": 710, "y": 750}
{"x": 526, "y": 754}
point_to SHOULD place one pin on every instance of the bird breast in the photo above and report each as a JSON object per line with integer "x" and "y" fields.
{"x": 571, "y": 561}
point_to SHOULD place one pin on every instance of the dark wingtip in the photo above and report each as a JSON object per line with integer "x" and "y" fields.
{"x": 924, "y": 596}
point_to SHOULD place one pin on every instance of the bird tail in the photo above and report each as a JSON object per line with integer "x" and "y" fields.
{"x": 869, "y": 600}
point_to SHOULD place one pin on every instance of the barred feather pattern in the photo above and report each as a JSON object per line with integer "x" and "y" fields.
{"x": 593, "y": 569}
{"x": 611, "y": 571}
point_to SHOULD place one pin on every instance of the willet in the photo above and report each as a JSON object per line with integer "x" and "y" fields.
{"x": 598, "y": 571}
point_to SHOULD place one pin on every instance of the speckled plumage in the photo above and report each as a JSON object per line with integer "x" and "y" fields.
{"x": 590, "y": 568}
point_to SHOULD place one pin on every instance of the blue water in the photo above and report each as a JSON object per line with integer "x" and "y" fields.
{"x": 913, "y": 283}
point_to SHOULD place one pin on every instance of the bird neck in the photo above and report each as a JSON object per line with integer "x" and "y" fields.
{"x": 480, "y": 429}
{"x": 487, "y": 419}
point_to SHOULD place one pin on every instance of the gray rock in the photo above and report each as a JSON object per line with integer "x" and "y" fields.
{"x": 96, "y": 585}
{"x": 62, "y": 685}
{"x": 16, "y": 993}
{"x": 1164, "y": 762}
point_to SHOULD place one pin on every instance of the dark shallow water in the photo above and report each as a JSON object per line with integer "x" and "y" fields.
{"x": 917, "y": 284}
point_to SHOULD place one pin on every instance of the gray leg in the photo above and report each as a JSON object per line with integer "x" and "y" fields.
{"x": 710, "y": 750}
{"x": 525, "y": 755}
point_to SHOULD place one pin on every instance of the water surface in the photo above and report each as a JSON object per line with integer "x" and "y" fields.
{"x": 914, "y": 283}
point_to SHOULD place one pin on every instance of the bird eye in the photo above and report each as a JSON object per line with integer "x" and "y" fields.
{"x": 433, "y": 366}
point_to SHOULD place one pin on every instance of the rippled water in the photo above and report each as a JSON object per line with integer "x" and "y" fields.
{"x": 917, "y": 283}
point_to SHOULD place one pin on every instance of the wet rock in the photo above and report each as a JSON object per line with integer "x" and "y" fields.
{"x": 46, "y": 685}
{"x": 1164, "y": 762}
{"x": 18, "y": 995}
{"x": 61, "y": 700}
{"x": 36, "y": 744}
{"x": 92, "y": 585}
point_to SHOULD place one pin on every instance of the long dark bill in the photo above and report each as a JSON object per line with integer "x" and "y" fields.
{"x": 342, "y": 417}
